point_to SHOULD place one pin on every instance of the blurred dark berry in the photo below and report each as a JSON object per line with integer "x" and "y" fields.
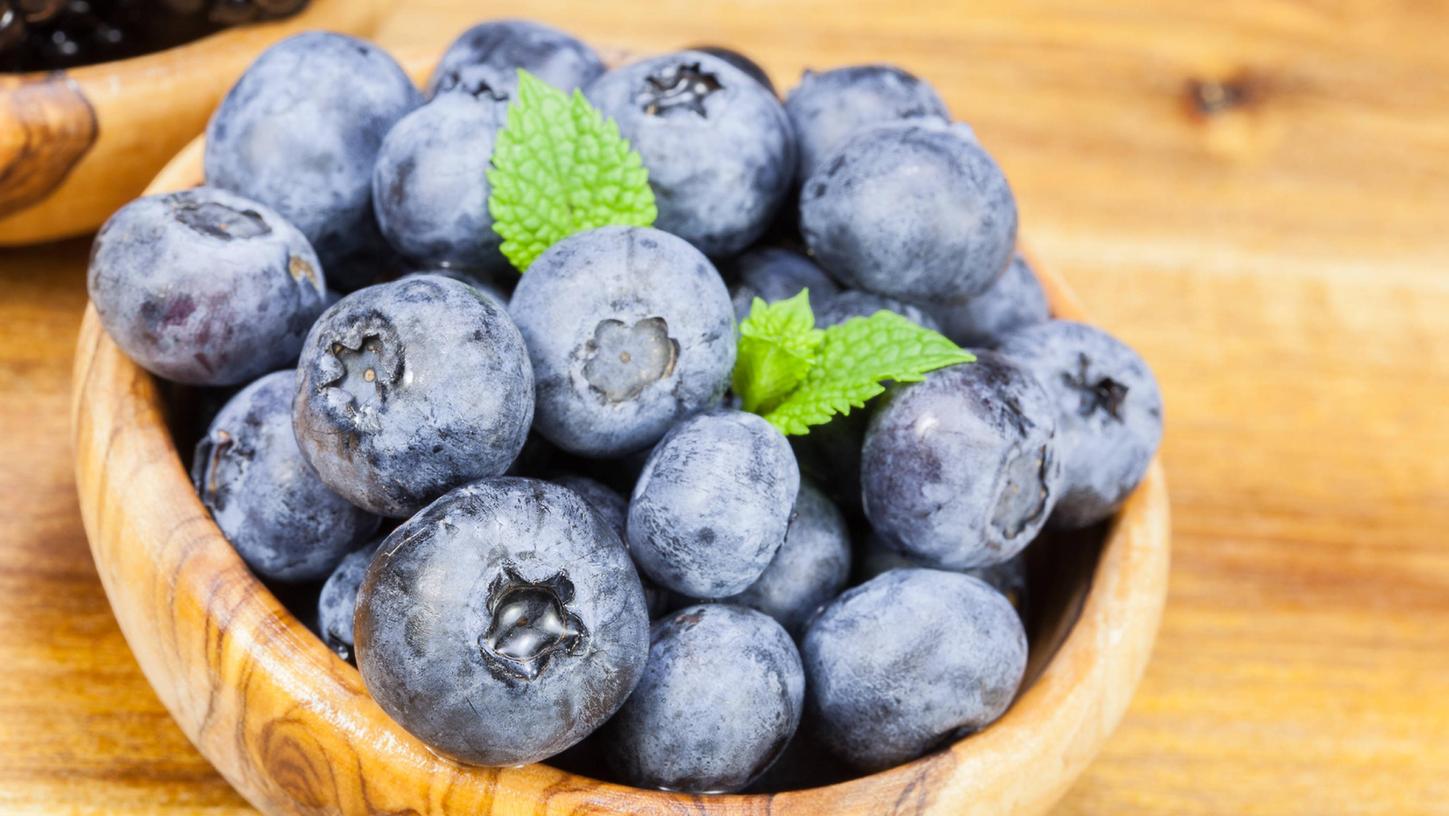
{"x": 45, "y": 35}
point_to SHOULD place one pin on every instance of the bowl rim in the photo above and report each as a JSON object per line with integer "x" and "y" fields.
{"x": 191, "y": 610}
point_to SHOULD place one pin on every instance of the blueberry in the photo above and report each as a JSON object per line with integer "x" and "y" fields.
{"x": 719, "y": 700}
{"x": 485, "y": 59}
{"x": 282, "y": 520}
{"x": 205, "y": 287}
{"x": 828, "y": 107}
{"x": 503, "y": 623}
{"x": 1007, "y": 577}
{"x": 838, "y": 308}
{"x": 774, "y": 274}
{"x": 430, "y": 185}
{"x": 712, "y": 506}
{"x": 810, "y": 568}
{"x": 1108, "y": 412}
{"x": 615, "y": 510}
{"x": 1014, "y": 301}
{"x": 914, "y": 210}
{"x": 740, "y": 61}
{"x": 718, "y": 145}
{"x": 630, "y": 330}
{"x": 409, "y": 389}
{"x": 492, "y": 285}
{"x": 300, "y": 132}
{"x": 908, "y": 661}
{"x": 337, "y": 602}
{"x": 961, "y": 469}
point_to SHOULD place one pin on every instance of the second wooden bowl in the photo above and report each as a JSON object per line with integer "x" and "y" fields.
{"x": 77, "y": 144}
{"x": 293, "y": 729}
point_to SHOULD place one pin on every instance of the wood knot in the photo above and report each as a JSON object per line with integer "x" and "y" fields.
{"x": 46, "y": 126}
{"x": 1207, "y": 98}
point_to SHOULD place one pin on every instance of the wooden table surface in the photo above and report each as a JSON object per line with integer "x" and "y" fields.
{"x": 1255, "y": 194}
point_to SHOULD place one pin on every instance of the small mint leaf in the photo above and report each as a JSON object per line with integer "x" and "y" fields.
{"x": 854, "y": 359}
{"x": 776, "y": 351}
{"x": 559, "y": 167}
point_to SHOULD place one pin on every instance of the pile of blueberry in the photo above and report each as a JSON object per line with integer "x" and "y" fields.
{"x": 541, "y": 522}
{"x": 45, "y": 35}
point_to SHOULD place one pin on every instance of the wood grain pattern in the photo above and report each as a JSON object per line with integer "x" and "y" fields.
{"x": 292, "y": 728}
{"x": 46, "y": 126}
{"x": 70, "y": 157}
{"x": 1281, "y": 262}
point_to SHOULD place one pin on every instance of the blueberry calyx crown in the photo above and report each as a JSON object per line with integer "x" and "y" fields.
{"x": 1106, "y": 394}
{"x": 363, "y": 366}
{"x": 216, "y": 220}
{"x": 475, "y": 80}
{"x": 529, "y": 622}
{"x": 622, "y": 360}
{"x": 1023, "y": 499}
{"x": 683, "y": 86}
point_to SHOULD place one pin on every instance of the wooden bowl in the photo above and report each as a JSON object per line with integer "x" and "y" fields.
{"x": 293, "y": 729}
{"x": 75, "y": 145}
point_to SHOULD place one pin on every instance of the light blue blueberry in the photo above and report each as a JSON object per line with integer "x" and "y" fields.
{"x": 712, "y": 506}
{"x": 962, "y": 469}
{"x": 720, "y": 698}
{"x": 630, "y": 330}
{"x": 914, "y": 210}
{"x": 300, "y": 132}
{"x": 205, "y": 287}
{"x": 409, "y": 389}
{"x": 1108, "y": 411}
{"x": 281, "y": 519}
{"x": 909, "y": 661}
{"x": 827, "y": 107}
{"x": 718, "y": 146}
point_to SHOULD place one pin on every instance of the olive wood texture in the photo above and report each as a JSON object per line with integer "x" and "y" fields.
{"x": 293, "y": 729}
{"x": 77, "y": 144}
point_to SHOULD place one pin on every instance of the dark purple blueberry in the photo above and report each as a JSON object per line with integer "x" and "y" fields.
{"x": 1108, "y": 412}
{"x": 205, "y": 287}
{"x": 907, "y": 662}
{"x": 282, "y": 520}
{"x": 962, "y": 469}
{"x": 409, "y": 389}
{"x": 719, "y": 700}
{"x": 502, "y": 624}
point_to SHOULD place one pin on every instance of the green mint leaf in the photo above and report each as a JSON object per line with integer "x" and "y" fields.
{"x": 559, "y": 167}
{"x": 852, "y": 361}
{"x": 776, "y": 351}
